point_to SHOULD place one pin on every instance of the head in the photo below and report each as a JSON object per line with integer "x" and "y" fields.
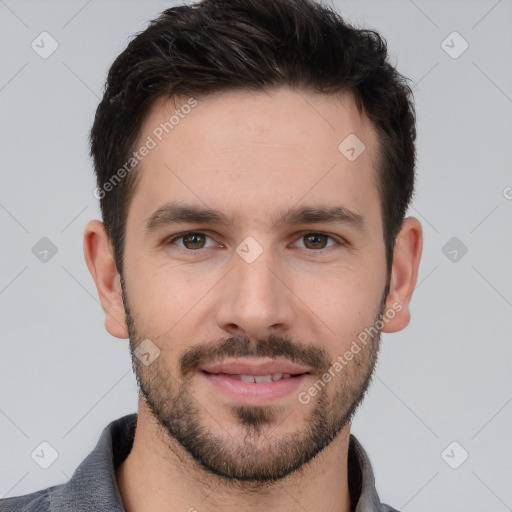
{"x": 254, "y": 161}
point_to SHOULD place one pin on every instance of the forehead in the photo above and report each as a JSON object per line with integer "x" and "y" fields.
{"x": 248, "y": 153}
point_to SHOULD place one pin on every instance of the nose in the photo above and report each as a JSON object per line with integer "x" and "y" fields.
{"x": 255, "y": 300}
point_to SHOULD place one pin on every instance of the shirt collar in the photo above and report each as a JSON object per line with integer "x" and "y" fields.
{"x": 97, "y": 472}
{"x": 361, "y": 480}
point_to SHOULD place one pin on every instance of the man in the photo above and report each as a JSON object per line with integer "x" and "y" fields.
{"x": 254, "y": 161}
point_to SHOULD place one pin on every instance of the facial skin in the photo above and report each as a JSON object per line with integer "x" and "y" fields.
{"x": 305, "y": 298}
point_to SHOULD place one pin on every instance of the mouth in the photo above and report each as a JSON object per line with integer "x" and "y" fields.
{"x": 257, "y": 379}
{"x": 254, "y": 382}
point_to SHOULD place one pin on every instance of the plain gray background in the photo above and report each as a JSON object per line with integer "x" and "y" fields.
{"x": 444, "y": 379}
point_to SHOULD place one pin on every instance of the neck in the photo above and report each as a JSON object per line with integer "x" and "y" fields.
{"x": 160, "y": 475}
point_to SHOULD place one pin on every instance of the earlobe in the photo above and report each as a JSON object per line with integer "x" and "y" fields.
{"x": 404, "y": 273}
{"x": 101, "y": 265}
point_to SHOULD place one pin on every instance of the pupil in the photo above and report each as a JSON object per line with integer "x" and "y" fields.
{"x": 192, "y": 239}
{"x": 316, "y": 239}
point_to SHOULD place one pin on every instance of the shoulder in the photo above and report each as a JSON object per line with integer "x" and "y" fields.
{"x": 385, "y": 508}
{"x": 93, "y": 485}
{"x": 38, "y": 501}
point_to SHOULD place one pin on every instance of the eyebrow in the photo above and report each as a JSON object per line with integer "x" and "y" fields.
{"x": 177, "y": 213}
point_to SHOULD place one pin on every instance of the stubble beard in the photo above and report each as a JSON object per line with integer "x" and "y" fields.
{"x": 257, "y": 453}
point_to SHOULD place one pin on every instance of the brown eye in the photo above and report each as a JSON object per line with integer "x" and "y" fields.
{"x": 193, "y": 240}
{"x": 315, "y": 240}
{"x": 192, "y": 243}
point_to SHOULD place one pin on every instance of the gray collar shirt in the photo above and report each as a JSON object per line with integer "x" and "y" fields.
{"x": 93, "y": 486}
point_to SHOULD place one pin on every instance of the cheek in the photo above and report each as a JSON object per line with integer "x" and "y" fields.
{"x": 342, "y": 304}
{"x": 164, "y": 295}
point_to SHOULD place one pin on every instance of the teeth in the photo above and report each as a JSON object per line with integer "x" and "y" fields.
{"x": 264, "y": 378}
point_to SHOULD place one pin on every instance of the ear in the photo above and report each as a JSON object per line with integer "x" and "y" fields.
{"x": 404, "y": 273}
{"x": 100, "y": 261}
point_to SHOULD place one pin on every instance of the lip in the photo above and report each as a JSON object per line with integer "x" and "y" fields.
{"x": 256, "y": 367}
{"x": 253, "y": 393}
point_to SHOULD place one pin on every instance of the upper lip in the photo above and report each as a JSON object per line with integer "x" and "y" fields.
{"x": 245, "y": 367}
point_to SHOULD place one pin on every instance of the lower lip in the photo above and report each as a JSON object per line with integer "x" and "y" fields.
{"x": 253, "y": 392}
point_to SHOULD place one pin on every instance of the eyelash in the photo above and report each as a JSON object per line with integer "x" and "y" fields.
{"x": 170, "y": 241}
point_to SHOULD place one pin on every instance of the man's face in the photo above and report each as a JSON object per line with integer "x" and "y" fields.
{"x": 296, "y": 292}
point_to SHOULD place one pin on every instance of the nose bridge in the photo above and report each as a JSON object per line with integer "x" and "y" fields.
{"x": 254, "y": 302}
{"x": 255, "y": 278}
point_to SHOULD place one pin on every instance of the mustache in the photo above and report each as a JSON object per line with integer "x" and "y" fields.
{"x": 273, "y": 346}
